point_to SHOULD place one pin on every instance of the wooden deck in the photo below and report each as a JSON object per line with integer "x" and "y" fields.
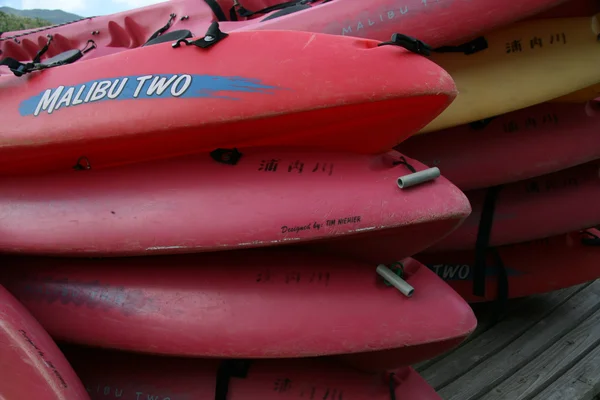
{"x": 546, "y": 348}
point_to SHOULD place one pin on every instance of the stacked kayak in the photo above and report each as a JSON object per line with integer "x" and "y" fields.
{"x": 31, "y": 363}
{"x": 169, "y": 101}
{"x": 271, "y": 198}
{"x": 431, "y": 21}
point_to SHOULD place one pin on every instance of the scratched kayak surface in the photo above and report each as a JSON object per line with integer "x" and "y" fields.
{"x": 531, "y": 142}
{"x": 115, "y": 375}
{"x": 532, "y": 267}
{"x": 247, "y": 304}
{"x": 32, "y": 365}
{"x": 532, "y": 209}
{"x": 196, "y": 204}
{"x": 203, "y": 99}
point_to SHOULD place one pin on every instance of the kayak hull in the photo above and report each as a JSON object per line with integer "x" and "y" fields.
{"x": 251, "y": 304}
{"x": 32, "y": 365}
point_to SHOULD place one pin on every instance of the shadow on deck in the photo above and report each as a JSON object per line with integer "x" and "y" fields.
{"x": 546, "y": 348}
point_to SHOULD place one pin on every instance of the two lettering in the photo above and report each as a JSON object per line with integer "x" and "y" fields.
{"x": 140, "y": 87}
{"x": 117, "y": 393}
{"x": 147, "y": 85}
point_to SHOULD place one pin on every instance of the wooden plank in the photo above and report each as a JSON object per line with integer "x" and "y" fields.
{"x": 582, "y": 382}
{"x": 483, "y": 312}
{"x": 545, "y": 369}
{"x": 465, "y": 358}
{"x": 523, "y": 348}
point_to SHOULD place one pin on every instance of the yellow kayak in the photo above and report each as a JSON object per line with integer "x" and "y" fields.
{"x": 580, "y": 96}
{"x": 524, "y": 64}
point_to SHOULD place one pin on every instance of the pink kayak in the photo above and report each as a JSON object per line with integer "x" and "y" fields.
{"x": 32, "y": 365}
{"x": 246, "y": 304}
{"x": 532, "y": 267}
{"x": 434, "y": 22}
{"x": 532, "y": 209}
{"x": 115, "y": 375}
{"x": 195, "y": 204}
{"x": 523, "y": 144}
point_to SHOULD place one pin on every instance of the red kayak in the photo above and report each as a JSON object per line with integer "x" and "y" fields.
{"x": 164, "y": 101}
{"x": 196, "y": 204}
{"x": 532, "y": 267}
{"x": 433, "y": 21}
{"x": 533, "y": 209}
{"x": 523, "y": 144}
{"x": 32, "y": 365}
{"x": 571, "y": 9}
{"x": 115, "y": 375}
{"x": 247, "y": 304}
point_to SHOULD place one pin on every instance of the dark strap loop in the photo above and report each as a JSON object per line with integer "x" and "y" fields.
{"x": 212, "y": 37}
{"x": 217, "y": 10}
{"x": 419, "y": 47}
{"x": 471, "y": 47}
{"x": 392, "y": 387}
{"x": 590, "y": 240}
{"x": 484, "y": 232}
{"x": 501, "y": 301}
{"x": 163, "y": 29}
{"x": 227, "y": 370}
{"x": 226, "y": 156}
{"x": 243, "y": 12}
{"x": 403, "y": 161}
{"x": 481, "y": 124}
{"x": 43, "y": 50}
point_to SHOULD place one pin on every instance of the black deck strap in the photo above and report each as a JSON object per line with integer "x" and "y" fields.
{"x": 286, "y": 11}
{"x": 216, "y": 9}
{"x": 419, "y": 47}
{"x": 392, "y": 387}
{"x": 227, "y": 370}
{"x": 403, "y": 161}
{"x": 42, "y": 51}
{"x": 17, "y": 67}
{"x": 481, "y": 124}
{"x": 486, "y": 221}
{"x": 471, "y": 47}
{"x": 172, "y": 36}
{"x": 66, "y": 57}
{"x": 590, "y": 240}
{"x": 213, "y": 36}
{"x": 499, "y": 306}
{"x": 243, "y": 12}
{"x": 409, "y": 43}
{"x": 163, "y": 29}
{"x": 226, "y": 156}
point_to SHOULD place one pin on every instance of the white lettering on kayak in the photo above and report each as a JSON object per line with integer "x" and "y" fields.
{"x": 141, "y": 80}
{"x": 161, "y": 86}
{"x": 49, "y": 100}
{"x": 452, "y": 271}
{"x": 184, "y": 87}
{"x": 385, "y": 16}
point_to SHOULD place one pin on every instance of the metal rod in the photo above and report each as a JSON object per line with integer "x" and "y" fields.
{"x": 417, "y": 178}
{"x": 404, "y": 287}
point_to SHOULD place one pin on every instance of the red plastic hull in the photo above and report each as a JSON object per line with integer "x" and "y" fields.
{"x": 32, "y": 365}
{"x": 112, "y": 375}
{"x": 129, "y": 107}
{"x": 532, "y": 209}
{"x": 433, "y": 21}
{"x": 252, "y": 304}
{"x": 195, "y": 204}
{"x": 533, "y": 267}
{"x": 520, "y": 145}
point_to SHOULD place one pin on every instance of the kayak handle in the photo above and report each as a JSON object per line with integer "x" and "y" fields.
{"x": 404, "y": 287}
{"x": 416, "y": 178}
